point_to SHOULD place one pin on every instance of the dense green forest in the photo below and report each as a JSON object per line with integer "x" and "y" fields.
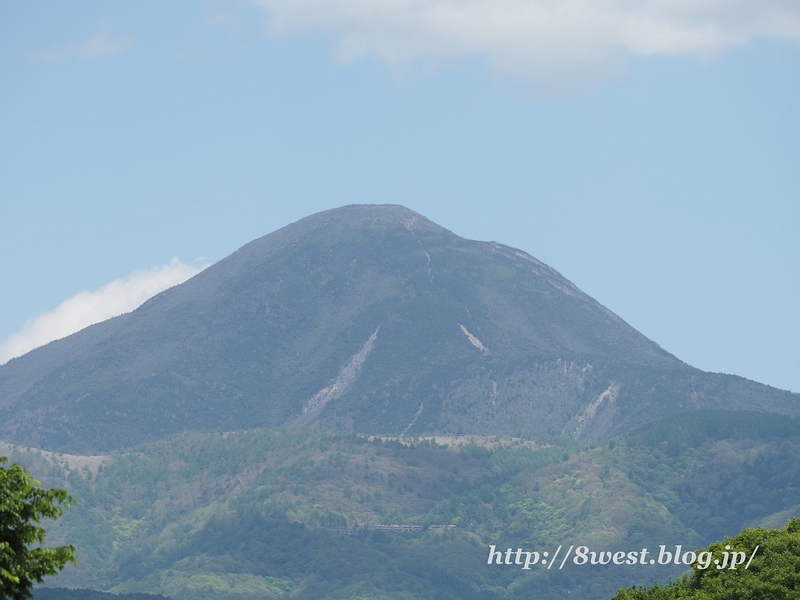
{"x": 287, "y": 513}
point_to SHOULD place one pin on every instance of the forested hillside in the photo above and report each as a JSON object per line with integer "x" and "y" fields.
{"x": 286, "y": 513}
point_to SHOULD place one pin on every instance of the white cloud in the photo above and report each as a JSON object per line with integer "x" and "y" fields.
{"x": 87, "y": 308}
{"x": 553, "y": 45}
{"x": 102, "y": 42}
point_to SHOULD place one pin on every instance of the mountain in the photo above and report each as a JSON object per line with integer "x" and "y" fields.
{"x": 366, "y": 318}
{"x": 290, "y": 513}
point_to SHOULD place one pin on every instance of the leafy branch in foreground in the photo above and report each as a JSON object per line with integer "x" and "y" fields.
{"x": 23, "y": 503}
{"x": 774, "y": 573}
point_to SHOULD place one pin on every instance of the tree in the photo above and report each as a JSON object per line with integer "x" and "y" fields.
{"x": 773, "y": 574}
{"x": 23, "y": 503}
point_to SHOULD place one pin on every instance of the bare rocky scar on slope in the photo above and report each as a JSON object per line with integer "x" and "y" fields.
{"x": 369, "y": 319}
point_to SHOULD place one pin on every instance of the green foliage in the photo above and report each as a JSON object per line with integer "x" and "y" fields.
{"x": 22, "y": 505}
{"x": 691, "y": 429}
{"x": 719, "y": 471}
{"x": 773, "y": 574}
{"x": 251, "y": 514}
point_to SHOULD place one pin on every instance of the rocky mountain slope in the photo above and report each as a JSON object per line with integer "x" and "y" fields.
{"x": 366, "y": 318}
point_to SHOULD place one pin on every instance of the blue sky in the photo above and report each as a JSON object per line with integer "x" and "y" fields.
{"x": 648, "y": 150}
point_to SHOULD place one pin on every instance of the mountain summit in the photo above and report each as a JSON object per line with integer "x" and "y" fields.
{"x": 368, "y": 318}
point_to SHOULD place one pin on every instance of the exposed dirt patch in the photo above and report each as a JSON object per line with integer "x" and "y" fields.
{"x": 67, "y": 461}
{"x": 493, "y": 442}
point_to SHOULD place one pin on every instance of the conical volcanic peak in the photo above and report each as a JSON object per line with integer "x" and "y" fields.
{"x": 375, "y": 218}
{"x": 363, "y": 318}
{"x": 358, "y": 222}
{"x": 355, "y": 216}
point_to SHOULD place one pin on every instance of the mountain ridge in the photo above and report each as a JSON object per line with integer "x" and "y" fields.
{"x": 465, "y": 335}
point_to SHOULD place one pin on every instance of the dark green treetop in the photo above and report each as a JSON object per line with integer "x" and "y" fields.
{"x": 773, "y": 574}
{"x": 23, "y": 503}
